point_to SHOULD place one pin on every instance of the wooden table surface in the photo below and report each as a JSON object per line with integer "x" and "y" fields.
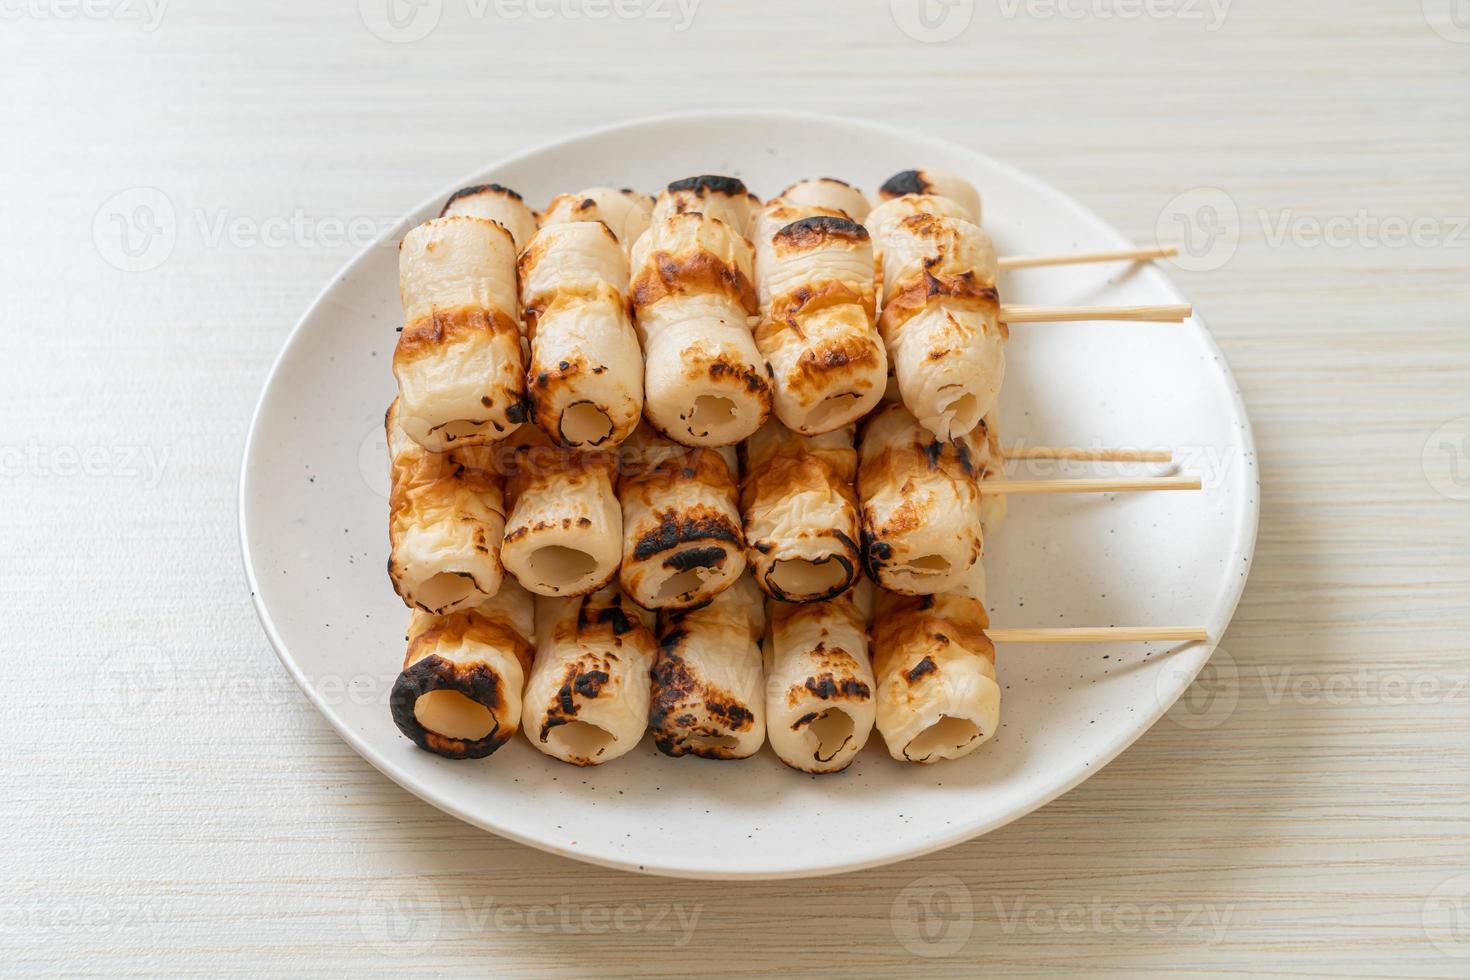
{"x": 172, "y": 803}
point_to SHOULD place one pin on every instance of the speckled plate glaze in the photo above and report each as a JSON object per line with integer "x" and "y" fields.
{"x": 313, "y": 512}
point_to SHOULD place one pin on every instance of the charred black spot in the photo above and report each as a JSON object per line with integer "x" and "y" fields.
{"x": 589, "y": 684}
{"x": 925, "y": 666}
{"x": 519, "y": 410}
{"x": 486, "y": 401}
{"x": 827, "y": 687}
{"x": 564, "y": 365}
{"x": 696, "y": 558}
{"x": 874, "y": 554}
{"x": 805, "y": 719}
{"x": 712, "y": 183}
{"x": 904, "y": 182}
{"x": 618, "y": 619}
{"x": 737, "y": 716}
{"x": 764, "y": 547}
{"x": 669, "y": 642}
{"x": 809, "y": 231}
{"x": 475, "y": 189}
{"x": 933, "y": 452}
{"x": 673, "y": 532}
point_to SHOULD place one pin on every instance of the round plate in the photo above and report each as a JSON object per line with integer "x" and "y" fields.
{"x": 313, "y": 526}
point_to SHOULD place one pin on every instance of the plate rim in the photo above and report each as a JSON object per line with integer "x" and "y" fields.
{"x": 1243, "y": 546}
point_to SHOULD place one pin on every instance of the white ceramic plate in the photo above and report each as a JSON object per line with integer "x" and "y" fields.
{"x": 313, "y": 511}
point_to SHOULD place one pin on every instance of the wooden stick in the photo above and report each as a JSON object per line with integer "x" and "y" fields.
{"x": 1084, "y": 258}
{"x": 1171, "y": 313}
{"x": 1091, "y": 485}
{"x": 1101, "y": 634}
{"x": 1101, "y": 455}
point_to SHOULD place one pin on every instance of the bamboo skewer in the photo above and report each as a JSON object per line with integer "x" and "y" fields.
{"x": 1091, "y": 485}
{"x": 1083, "y": 258}
{"x": 1169, "y": 313}
{"x": 1100, "y": 634}
{"x": 1099, "y": 455}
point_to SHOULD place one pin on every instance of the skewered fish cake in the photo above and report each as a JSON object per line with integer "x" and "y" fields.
{"x": 626, "y": 212}
{"x": 705, "y": 382}
{"x": 819, "y": 682}
{"x": 938, "y": 697}
{"x": 587, "y": 698}
{"x": 708, "y": 680}
{"x": 725, "y": 198}
{"x": 494, "y": 203}
{"x": 937, "y": 183}
{"x": 941, "y": 321}
{"x": 586, "y": 378}
{"x": 564, "y": 533}
{"x": 459, "y": 694}
{"x": 828, "y": 363}
{"x": 461, "y": 376}
{"x": 682, "y": 544}
{"x": 829, "y": 192}
{"x": 446, "y": 517}
{"x": 801, "y": 513}
{"x": 920, "y": 504}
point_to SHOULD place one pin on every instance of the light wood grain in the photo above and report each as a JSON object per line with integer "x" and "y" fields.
{"x": 173, "y": 805}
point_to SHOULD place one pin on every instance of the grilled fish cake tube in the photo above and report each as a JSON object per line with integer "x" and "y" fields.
{"x": 829, "y": 192}
{"x": 801, "y": 513}
{"x": 725, "y": 198}
{"x": 459, "y": 694}
{"x": 705, "y": 382}
{"x": 626, "y": 213}
{"x": 586, "y": 377}
{"x": 819, "y": 683}
{"x": 920, "y": 500}
{"x": 941, "y": 321}
{"x": 587, "y": 698}
{"x": 708, "y": 682}
{"x": 564, "y": 533}
{"x": 494, "y": 203}
{"x": 446, "y": 518}
{"x": 828, "y": 363}
{"x": 461, "y": 376}
{"x": 938, "y": 697}
{"x": 934, "y": 183}
{"x": 682, "y": 543}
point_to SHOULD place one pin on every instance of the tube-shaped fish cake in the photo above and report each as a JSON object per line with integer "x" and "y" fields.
{"x": 626, "y": 212}
{"x": 461, "y": 376}
{"x": 935, "y": 183}
{"x": 564, "y": 533}
{"x": 708, "y": 681}
{"x": 586, "y": 376}
{"x": 494, "y": 203}
{"x": 828, "y": 363}
{"x": 941, "y": 321}
{"x": 820, "y": 704}
{"x": 459, "y": 694}
{"x": 587, "y": 698}
{"x": 884, "y": 220}
{"x": 446, "y": 517}
{"x": 920, "y": 499}
{"x": 682, "y": 543}
{"x": 801, "y": 513}
{"x": 725, "y": 198}
{"x": 829, "y": 192}
{"x": 769, "y": 219}
{"x": 705, "y": 382}
{"x": 938, "y": 697}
